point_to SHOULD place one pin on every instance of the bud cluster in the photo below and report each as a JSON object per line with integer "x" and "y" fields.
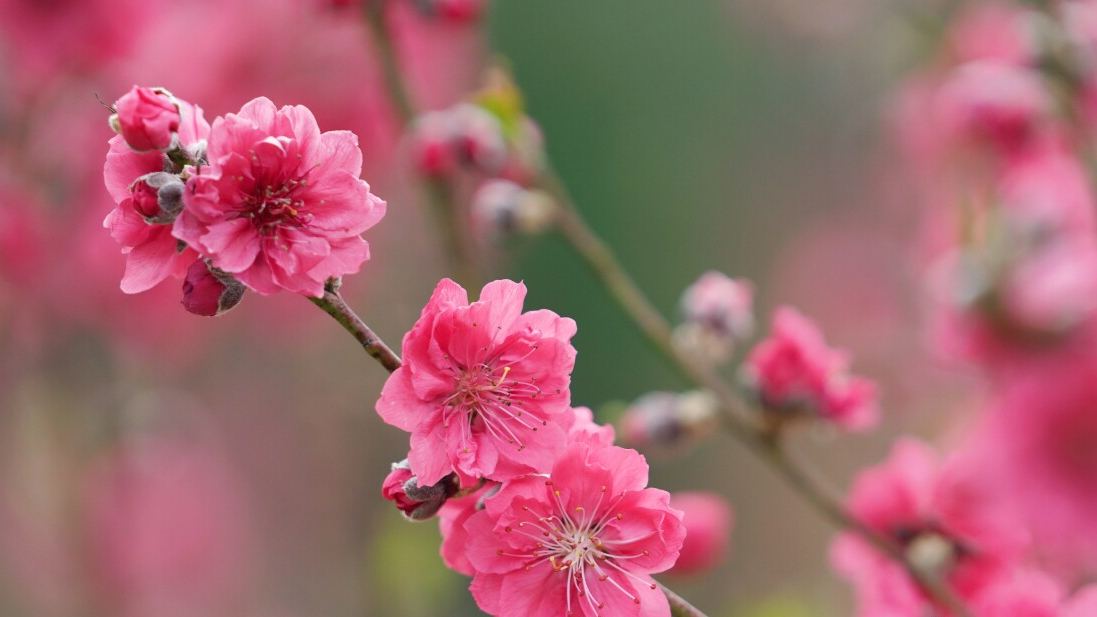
{"x": 492, "y": 140}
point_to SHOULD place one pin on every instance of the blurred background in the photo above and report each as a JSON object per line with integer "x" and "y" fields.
{"x": 154, "y": 463}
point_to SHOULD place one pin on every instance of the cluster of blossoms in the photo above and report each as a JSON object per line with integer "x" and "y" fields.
{"x": 1005, "y": 522}
{"x": 262, "y": 199}
{"x": 535, "y": 503}
{"x": 790, "y": 375}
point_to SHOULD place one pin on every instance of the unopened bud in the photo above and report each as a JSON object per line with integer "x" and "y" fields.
{"x": 720, "y": 304}
{"x": 503, "y": 207}
{"x": 668, "y": 419}
{"x": 147, "y": 118}
{"x": 479, "y": 138}
{"x": 210, "y": 292}
{"x": 418, "y": 503}
{"x": 158, "y": 197}
{"x": 458, "y": 11}
{"x": 431, "y": 144}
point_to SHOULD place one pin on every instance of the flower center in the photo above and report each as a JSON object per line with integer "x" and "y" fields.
{"x": 493, "y": 398}
{"x": 273, "y": 206}
{"x": 571, "y": 543}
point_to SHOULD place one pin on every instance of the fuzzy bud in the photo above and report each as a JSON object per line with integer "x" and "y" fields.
{"x": 208, "y": 291}
{"x": 666, "y": 420}
{"x": 479, "y": 138}
{"x": 431, "y": 144}
{"x": 418, "y": 503}
{"x": 501, "y": 207}
{"x": 158, "y": 197}
{"x": 720, "y": 304}
{"x": 147, "y": 118}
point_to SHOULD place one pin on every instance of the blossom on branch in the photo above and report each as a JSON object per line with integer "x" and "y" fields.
{"x": 281, "y": 205}
{"x": 484, "y": 389}
{"x": 583, "y": 541}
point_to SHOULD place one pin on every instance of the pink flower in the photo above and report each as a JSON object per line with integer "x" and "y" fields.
{"x": 708, "y": 519}
{"x": 209, "y": 293}
{"x": 942, "y": 520}
{"x": 584, "y": 429}
{"x": 583, "y": 541}
{"x": 451, "y": 524}
{"x": 147, "y": 118}
{"x": 281, "y": 205}
{"x": 795, "y": 371}
{"x": 452, "y": 516}
{"x": 1082, "y": 604}
{"x": 994, "y": 31}
{"x": 152, "y": 252}
{"x": 1026, "y": 593}
{"x": 1038, "y": 446}
{"x": 484, "y": 387}
{"x": 993, "y": 103}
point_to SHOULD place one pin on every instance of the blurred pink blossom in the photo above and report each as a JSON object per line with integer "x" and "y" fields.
{"x": 795, "y": 371}
{"x": 708, "y": 520}
{"x": 168, "y": 531}
{"x": 942, "y": 519}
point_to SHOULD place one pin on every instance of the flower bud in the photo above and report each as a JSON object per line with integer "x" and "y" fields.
{"x": 431, "y": 144}
{"x": 479, "y": 138}
{"x": 158, "y": 197}
{"x": 502, "y": 207}
{"x": 147, "y": 118}
{"x": 720, "y": 304}
{"x": 668, "y": 419}
{"x": 418, "y": 503}
{"x": 208, "y": 291}
{"x": 708, "y": 519}
{"x": 457, "y": 11}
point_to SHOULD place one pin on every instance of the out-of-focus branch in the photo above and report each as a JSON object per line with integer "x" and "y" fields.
{"x": 736, "y": 416}
{"x": 456, "y": 240}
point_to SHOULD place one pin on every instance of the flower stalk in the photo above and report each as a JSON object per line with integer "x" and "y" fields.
{"x": 333, "y": 304}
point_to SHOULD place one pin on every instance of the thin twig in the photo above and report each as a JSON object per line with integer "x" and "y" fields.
{"x": 333, "y": 304}
{"x": 456, "y": 240}
{"x": 679, "y": 607}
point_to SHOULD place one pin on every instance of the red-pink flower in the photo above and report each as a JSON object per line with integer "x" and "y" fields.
{"x": 992, "y": 103}
{"x": 940, "y": 517}
{"x": 484, "y": 389}
{"x": 1026, "y": 593}
{"x": 152, "y": 253}
{"x": 147, "y": 118}
{"x": 281, "y": 205}
{"x": 708, "y": 519}
{"x": 452, "y": 516}
{"x": 583, "y": 541}
{"x": 795, "y": 371}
